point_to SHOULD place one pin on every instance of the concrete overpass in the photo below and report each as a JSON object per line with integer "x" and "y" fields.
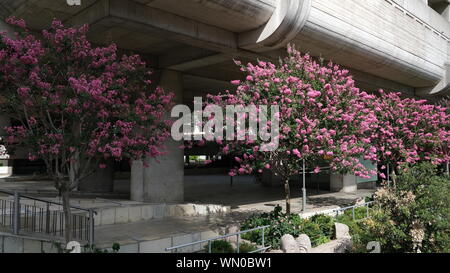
{"x": 397, "y": 45}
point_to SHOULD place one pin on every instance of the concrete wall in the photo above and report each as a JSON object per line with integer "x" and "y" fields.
{"x": 145, "y": 212}
{"x": 21, "y": 244}
{"x": 377, "y": 38}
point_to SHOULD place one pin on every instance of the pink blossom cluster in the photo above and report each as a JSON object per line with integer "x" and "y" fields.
{"x": 410, "y": 130}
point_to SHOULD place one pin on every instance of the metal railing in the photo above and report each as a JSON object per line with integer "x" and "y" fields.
{"x": 43, "y": 217}
{"x": 262, "y": 248}
{"x": 342, "y": 210}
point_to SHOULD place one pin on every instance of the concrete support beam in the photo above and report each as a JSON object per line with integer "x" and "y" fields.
{"x": 199, "y": 62}
{"x": 160, "y": 23}
{"x": 283, "y": 26}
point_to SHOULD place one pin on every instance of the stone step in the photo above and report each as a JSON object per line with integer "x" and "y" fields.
{"x": 142, "y": 212}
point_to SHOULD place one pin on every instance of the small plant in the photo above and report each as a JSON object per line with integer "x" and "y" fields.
{"x": 60, "y": 248}
{"x": 220, "y": 246}
{"x": 93, "y": 249}
{"x": 326, "y": 224}
{"x": 247, "y": 248}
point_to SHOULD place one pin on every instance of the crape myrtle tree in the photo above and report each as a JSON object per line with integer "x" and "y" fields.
{"x": 410, "y": 131}
{"x": 77, "y": 106}
{"x": 322, "y": 117}
{"x": 445, "y": 102}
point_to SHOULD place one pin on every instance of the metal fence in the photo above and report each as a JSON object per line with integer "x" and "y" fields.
{"x": 335, "y": 212}
{"x": 25, "y": 215}
{"x": 261, "y": 248}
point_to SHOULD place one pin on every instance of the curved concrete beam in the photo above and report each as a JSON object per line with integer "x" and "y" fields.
{"x": 442, "y": 88}
{"x": 284, "y": 25}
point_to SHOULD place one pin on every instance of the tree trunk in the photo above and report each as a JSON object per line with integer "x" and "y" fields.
{"x": 394, "y": 178}
{"x": 447, "y": 168}
{"x": 65, "y": 194}
{"x": 287, "y": 191}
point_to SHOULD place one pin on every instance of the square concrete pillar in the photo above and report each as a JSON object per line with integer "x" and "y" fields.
{"x": 163, "y": 180}
{"x": 6, "y": 163}
{"x": 343, "y": 183}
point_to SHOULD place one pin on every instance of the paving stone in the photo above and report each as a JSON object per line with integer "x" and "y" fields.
{"x": 147, "y": 212}
{"x": 155, "y": 246}
{"x": 108, "y": 216}
{"x": 12, "y": 245}
{"x": 32, "y": 246}
{"x": 130, "y": 248}
{"x": 135, "y": 214}
{"x": 122, "y": 215}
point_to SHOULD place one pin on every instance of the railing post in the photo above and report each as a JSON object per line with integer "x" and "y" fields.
{"x": 47, "y": 219}
{"x": 353, "y": 213}
{"x": 91, "y": 227}
{"x": 262, "y": 237}
{"x": 209, "y": 246}
{"x": 237, "y": 236}
{"x": 16, "y": 213}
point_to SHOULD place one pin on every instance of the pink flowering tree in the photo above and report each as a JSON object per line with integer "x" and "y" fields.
{"x": 323, "y": 118}
{"x": 445, "y": 102}
{"x": 410, "y": 131}
{"x": 78, "y": 106}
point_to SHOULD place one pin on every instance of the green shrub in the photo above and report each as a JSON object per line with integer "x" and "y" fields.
{"x": 220, "y": 246}
{"x": 319, "y": 230}
{"x": 412, "y": 216}
{"x": 326, "y": 224}
{"x": 279, "y": 222}
{"x": 247, "y": 248}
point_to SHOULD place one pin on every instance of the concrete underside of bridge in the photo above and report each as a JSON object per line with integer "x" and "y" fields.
{"x": 397, "y": 45}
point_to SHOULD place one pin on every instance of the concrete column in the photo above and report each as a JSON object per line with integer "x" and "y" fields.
{"x": 164, "y": 177}
{"x": 343, "y": 183}
{"x": 137, "y": 181}
{"x": 6, "y": 163}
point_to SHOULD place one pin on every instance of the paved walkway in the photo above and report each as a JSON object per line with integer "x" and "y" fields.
{"x": 243, "y": 195}
{"x": 246, "y": 195}
{"x": 168, "y": 231}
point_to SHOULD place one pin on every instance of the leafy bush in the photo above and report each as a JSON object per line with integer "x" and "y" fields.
{"x": 326, "y": 224}
{"x": 412, "y": 216}
{"x": 220, "y": 246}
{"x": 319, "y": 228}
{"x": 247, "y": 248}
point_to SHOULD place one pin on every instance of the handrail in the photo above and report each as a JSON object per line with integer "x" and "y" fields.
{"x": 46, "y": 201}
{"x": 366, "y": 205}
{"x": 353, "y": 206}
{"x": 43, "y": 220}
